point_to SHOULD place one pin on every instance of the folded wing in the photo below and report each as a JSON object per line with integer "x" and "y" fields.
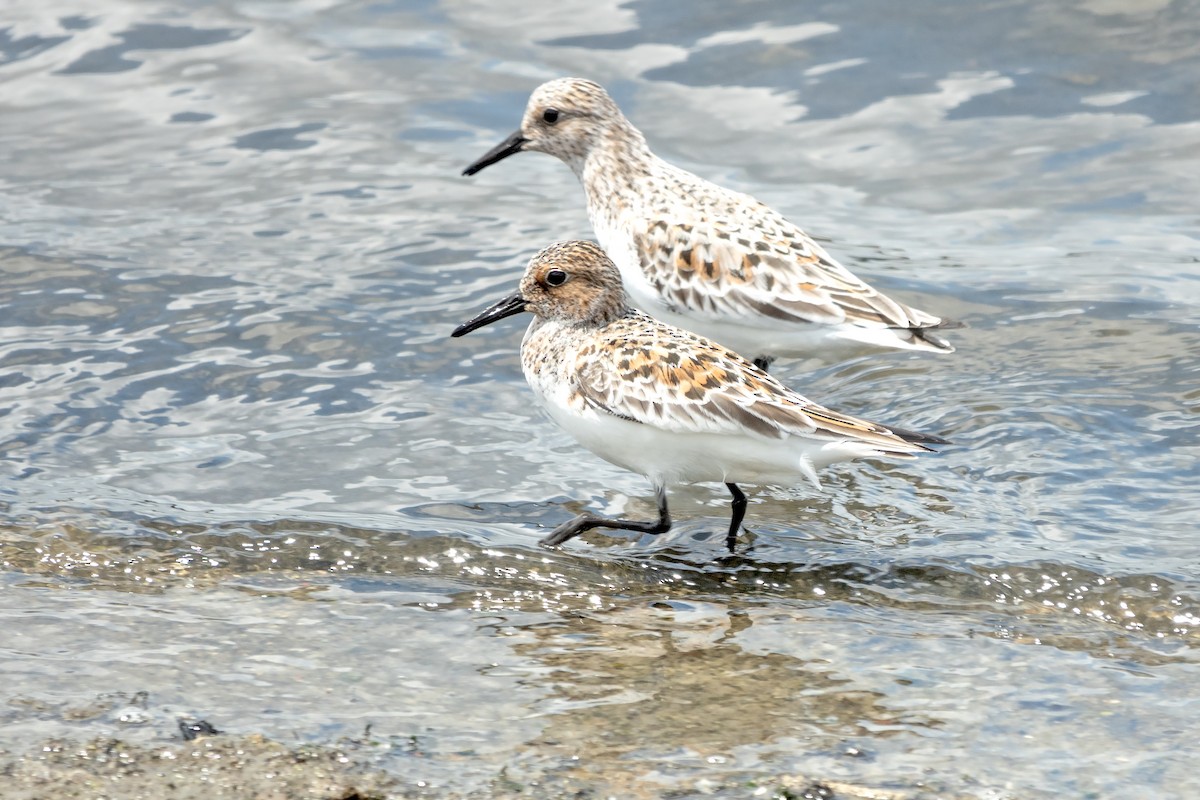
{"x": 652, "y": 374}
{"x": 755, "y": 264}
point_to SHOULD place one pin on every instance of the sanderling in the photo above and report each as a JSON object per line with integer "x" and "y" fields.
{"x": 702, "y": 257}
{"x": 664, "y": 402}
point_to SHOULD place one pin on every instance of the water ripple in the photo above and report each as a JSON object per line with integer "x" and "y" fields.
{"x": 232, "y": 256}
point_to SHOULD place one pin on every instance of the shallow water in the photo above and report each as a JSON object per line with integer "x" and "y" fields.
{"x": 246, "y": 472}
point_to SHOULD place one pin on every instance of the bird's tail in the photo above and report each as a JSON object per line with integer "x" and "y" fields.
{"x": 922, "y": 439}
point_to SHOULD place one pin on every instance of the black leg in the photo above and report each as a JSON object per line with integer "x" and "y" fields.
{"x": 763, "y": 362}
{"x": 739, "y": 513}
{"x": 585, "y": 522}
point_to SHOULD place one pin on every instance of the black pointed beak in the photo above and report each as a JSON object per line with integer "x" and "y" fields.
{"x": 513, "y": 144}
{"x": 505, "y": 308}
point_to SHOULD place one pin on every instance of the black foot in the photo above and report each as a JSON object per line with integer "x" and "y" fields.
{"x": 763, "y": 363}
{"x": 739, "y": 513}
{"x": 585, "y": 522}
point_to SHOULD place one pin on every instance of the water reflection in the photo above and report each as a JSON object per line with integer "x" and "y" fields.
{"x": 147, "y": 37}
{"x": 659, "y": 681}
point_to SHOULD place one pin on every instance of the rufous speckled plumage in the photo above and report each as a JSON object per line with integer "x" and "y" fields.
{"x": 663, "y": 402}
{"x": 703, "y": 257}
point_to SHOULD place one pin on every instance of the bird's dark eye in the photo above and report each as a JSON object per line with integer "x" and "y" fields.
{"x": 550, "y": 115}
{"x": 556, "y": 277}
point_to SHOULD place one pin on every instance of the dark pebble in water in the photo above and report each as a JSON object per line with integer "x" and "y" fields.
{"x": 193, "y": 728}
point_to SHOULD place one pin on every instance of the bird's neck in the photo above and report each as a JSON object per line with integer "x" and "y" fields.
{"x": 602, "y": 311}
{"x": 617, "y": 162}
{"x": 609, "y": 309}
{"x": 617, "y": 178}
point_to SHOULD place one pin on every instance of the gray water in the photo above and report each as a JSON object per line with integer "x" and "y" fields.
{"x": 245, "y": 471}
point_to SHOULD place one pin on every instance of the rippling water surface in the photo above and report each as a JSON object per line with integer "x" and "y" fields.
{"x": 245, "y": 472}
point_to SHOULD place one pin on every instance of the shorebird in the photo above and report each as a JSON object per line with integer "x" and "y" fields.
{"x": 705, "y": 258}
{"x": 664, "y": 402}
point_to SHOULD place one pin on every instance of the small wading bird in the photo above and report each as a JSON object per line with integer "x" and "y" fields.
{"x": 663, "y": 402}
{"x": 705, "y": 258}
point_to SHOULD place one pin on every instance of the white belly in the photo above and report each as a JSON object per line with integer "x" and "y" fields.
{"x": 667, "y": 457}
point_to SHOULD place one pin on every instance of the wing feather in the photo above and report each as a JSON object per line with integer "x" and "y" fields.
{"x": 647, "y": 372}
{"x": 757, "y": 264}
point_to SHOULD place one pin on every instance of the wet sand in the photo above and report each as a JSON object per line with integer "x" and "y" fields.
{"x": 212, "y": 767}
{"x": 257, "y": 768}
